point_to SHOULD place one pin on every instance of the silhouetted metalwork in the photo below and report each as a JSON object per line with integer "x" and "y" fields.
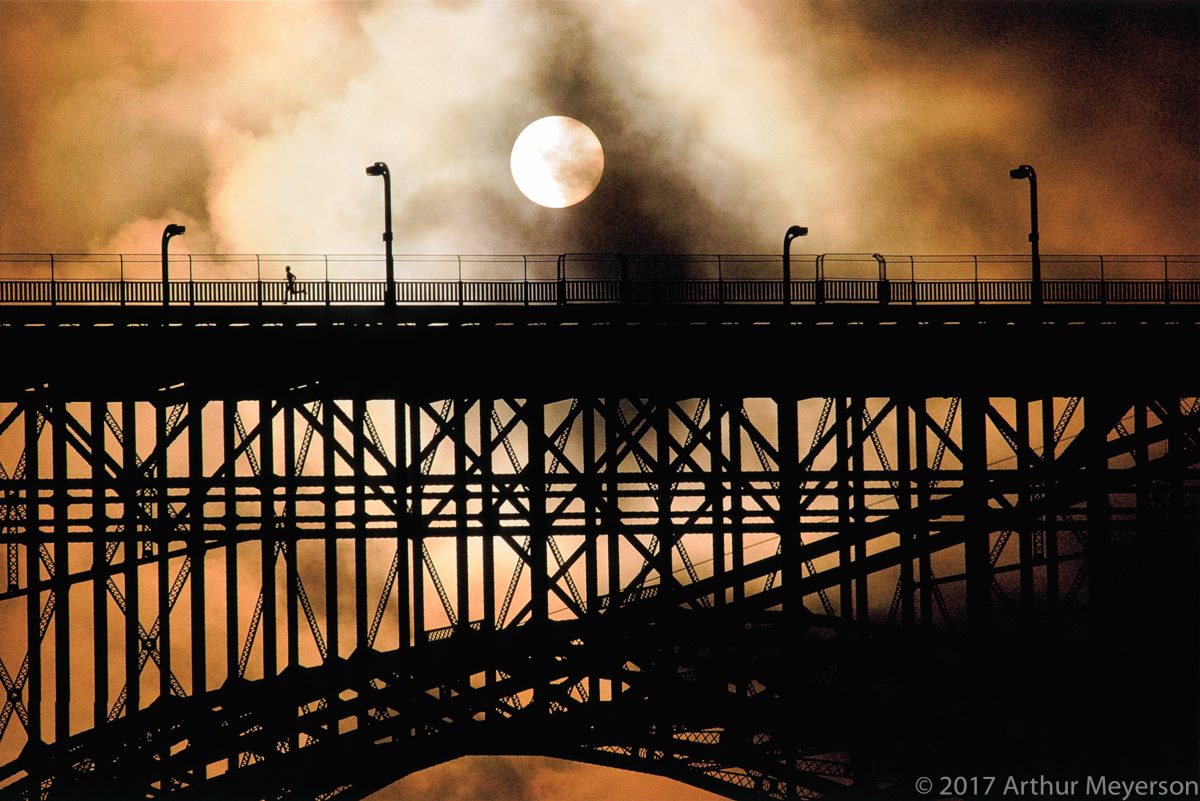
{"x": 606, "y": 278}
{"x": 1022, "y": 172}
{"x": 808, "y": 551}
{"x": 792, "y": 233}
{"x": 389, "y": 286}
{"x": 171, "y": 230}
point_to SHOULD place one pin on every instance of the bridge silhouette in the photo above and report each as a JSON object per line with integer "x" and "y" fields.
{"x": 662, "y": 513}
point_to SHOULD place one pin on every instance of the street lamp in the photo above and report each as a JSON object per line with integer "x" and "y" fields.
{"x": 171, "y": 230}
{"x": 1017, "y": 174}
{"x": 791, "y": 234}
{"x": 389, "y": 291}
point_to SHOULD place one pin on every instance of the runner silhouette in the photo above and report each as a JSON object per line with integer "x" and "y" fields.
{"x": 291, "y": 284}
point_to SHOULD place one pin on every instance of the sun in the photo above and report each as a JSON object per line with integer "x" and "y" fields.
{"x": 557, "y": 161}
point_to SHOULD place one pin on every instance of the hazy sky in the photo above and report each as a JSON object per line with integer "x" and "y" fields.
{"x": 884, "y": 127}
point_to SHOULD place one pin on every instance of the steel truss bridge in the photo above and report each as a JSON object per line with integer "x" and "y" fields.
{"x": 805, "y": 550}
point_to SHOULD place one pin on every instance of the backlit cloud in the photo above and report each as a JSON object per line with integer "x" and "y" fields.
{"x": 722, "y": 123}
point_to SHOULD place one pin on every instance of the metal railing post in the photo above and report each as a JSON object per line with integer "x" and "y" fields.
{"x": 525, "y": 280}
{"x": 53, "y": 283}
{"x": 1103, "y": 286}
{"x": 562, "y": 279}
{"x": 1166, "y": 281}
{"x": 626, "y": 288}
{"x": 975, "y": 262}
{"x": 912, "y": 278}
{"x": 326, "y": 258}
{"x": 258, "y": 266}
{"x": 460, "y": 281}
{"x": 191, "y": 283}
{"x": 885, "y": 289}
{"x": 121, "y": 258}
{"x": 819, "y": 281}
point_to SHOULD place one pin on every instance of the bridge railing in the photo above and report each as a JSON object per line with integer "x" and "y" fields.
{"x": 221, "y": 279}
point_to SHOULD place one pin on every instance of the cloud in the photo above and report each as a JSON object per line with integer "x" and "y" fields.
{"x": 881, "y": 128}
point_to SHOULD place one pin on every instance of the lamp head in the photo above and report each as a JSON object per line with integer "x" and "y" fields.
{"x": 378, "y": 168}
{"x": 174, "y": 230}
{"x": 795, "y": 231}
{"x": 1017, "y": 173}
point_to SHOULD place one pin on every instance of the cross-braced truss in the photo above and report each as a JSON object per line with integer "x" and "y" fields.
{"x": 311, "y": 595}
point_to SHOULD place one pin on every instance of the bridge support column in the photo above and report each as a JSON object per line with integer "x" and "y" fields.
{"x": 401, "y": 471}
{"x": 62, "y": 573}
{"x": 924, "y": 561}
{"x": 1024, "y": 514}
{"x": 462, "y": 542}
{"x": 858, "y": 443}
{"x": 162, "y": 542}
{"x": 976, "y": 535}
{"x": 490, "y": 527}
{"x": 539, "y": 539}
{"x": 715, "y": 490}
{"x": 592, "y": 503}
{"x": 100, "y": 564}
{"x": 660, "y": 412}
{"x": 1049, "y": 517}
{"x": 291, "y": 542}
{"x": 664, "y": 527}
{"x": 33, "y": 572}
{"x": 904, "y": 505}
{"x": 228, "y": 449}
{"x": 129, "y": 502}
{"x": 842, "y": 421}
{"x": 612, "y": 517}
{"x": 329, "y": 498}
{"x": 266, "y": 440}
{"x": 418, "y": 534}
{"x": 230, "y": 520}
{"x": 789, "y": 510}
{"x": 358, "y": 433}
{"x": 195, "y": 546}
{"x": 737, "y": 484}
{"x": 196, "y": 556}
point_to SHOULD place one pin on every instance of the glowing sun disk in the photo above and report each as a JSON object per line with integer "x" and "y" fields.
{"x": 557, "y": 161}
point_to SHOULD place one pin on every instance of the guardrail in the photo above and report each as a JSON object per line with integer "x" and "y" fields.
{"x": 217, "y": 279}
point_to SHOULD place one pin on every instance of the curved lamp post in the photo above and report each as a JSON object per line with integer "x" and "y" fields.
{"x": 389, "y": 291}
{"x": 1017, "y": 174}
{"x": 171, "y": 230}
{"x": 792, "y": 233}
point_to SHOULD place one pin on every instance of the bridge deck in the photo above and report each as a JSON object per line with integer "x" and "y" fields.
{"x": 543, "y": 350}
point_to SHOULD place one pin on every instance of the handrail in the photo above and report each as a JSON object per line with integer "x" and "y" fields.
{"x": 600, "y": 278}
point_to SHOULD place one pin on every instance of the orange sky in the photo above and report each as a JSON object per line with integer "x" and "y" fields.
{"x": 882, "y": 128}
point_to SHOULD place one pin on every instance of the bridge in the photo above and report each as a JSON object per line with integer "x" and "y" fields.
{"x": 811, "y": 539}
